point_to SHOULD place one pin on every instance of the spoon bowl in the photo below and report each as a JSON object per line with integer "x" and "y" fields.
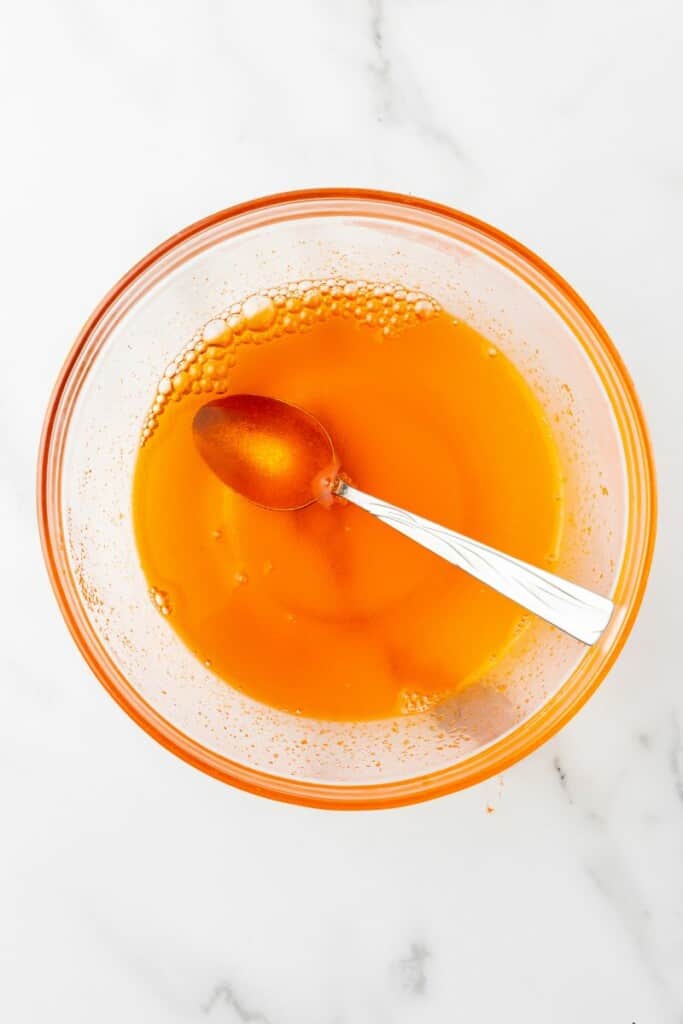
{"x": 273, "y": 453}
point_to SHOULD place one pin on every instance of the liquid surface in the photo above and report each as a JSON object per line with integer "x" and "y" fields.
{"x": 326, "y": 612}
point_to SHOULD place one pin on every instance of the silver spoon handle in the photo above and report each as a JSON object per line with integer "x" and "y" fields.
{"x": 572, "y": 608}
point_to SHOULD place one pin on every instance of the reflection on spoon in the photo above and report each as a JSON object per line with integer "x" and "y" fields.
{"x": 272, "y": 453}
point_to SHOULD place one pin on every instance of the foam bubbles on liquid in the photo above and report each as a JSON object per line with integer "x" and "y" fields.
{"x": 204, "y": 365}
{"x": 160, "y": 600}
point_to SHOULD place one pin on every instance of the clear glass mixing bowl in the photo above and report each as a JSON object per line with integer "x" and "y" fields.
{"x": 89, "y": 449}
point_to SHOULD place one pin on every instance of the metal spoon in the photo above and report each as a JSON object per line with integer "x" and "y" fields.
{"x": 281, "y": 457}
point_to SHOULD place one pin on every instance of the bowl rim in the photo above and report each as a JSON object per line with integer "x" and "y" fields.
{"x": 511, "y": 747}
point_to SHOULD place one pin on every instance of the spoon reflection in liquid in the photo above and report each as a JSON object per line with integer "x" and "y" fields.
{"x": 280, "y": 457}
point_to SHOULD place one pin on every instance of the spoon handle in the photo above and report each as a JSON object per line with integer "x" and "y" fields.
{"x": 571, "y": 608}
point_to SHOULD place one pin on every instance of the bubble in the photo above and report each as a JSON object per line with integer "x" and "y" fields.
{"x": 259, "y": 312}
{"x": 160, "y": 600}
{"x": 410, "y": 702}
{"x": 214, "y": 329}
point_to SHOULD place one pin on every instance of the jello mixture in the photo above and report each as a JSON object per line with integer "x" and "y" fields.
{"x": 325, "y": 612}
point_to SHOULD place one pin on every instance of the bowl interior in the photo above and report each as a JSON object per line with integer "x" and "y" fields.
{"x": 93, "y": 443}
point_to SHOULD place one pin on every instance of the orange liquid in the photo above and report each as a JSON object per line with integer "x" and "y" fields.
{"x": 327, "y": 612}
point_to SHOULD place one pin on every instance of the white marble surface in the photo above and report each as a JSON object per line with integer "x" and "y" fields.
{"x": 132, "y": 887}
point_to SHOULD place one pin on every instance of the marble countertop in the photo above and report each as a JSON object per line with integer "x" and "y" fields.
{"x": 132, "y": 887}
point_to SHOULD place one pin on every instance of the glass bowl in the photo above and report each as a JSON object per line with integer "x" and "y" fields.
{"x": 89, "y": 448}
